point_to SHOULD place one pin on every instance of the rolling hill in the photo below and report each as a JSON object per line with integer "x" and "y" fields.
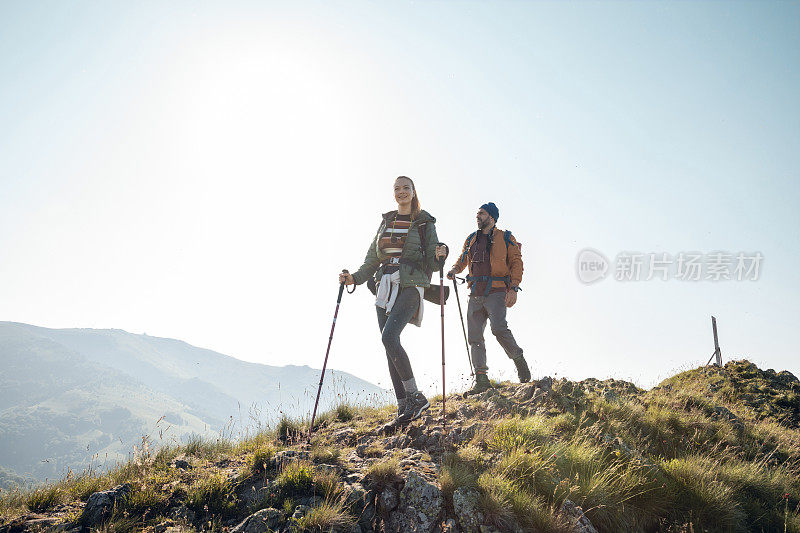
{"x": 70, "y": 397}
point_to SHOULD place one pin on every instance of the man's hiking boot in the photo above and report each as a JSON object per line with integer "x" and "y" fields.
{"x": 481, "y": 385}
{"x": 416, "y": 404}
{"x": 523, "y": 371}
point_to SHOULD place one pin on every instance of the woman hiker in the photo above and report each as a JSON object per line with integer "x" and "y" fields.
{"x": 402, "y": 256}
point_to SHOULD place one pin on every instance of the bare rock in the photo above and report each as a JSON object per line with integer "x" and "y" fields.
{"x": 726, "y": 414}
{"x": 434, "y": 439}
{"x": 575, "y": 514}
{"x": 465, "y": 505}
{"x": 546, "y": 383}
{"x": 169, "y": 527}
{"x": 525, "y": 392}
{"x": 264, "y": 520}
{"x": 345, "y": 436}
{"x": 398, "y": 441}
{"x": 389, "y": 499}
{"x": 183, "y": 514}
{"x": 181, "y": 464}
{"x": 100, "y": 505}
{"x": 465, "y": 411}
{"x": 300, "y": 511}
{"x": 420, "y": 509}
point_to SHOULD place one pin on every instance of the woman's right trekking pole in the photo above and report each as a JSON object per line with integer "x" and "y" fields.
{"x": 328, "y": 351}
{"x": 466, "y": 343}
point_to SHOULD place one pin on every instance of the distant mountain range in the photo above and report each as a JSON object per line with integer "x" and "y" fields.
{"x": 69, "y": 397}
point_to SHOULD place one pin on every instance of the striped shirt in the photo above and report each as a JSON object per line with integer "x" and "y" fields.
{"x": 393, "y": 239}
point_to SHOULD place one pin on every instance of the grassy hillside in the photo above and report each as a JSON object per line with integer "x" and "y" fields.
{"x": 712, "y": 449}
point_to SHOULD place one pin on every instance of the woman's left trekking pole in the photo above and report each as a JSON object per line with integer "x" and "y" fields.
{"x": 328, "y": 351}
{"x": 441, "y": 300}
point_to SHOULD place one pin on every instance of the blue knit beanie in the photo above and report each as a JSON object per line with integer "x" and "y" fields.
{"x": 492, "y": 210}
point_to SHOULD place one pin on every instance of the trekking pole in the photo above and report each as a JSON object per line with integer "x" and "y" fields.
{"x": 466, "y": 343}
{"x": 328, "y": 351}
{"x": 441, "y": 301}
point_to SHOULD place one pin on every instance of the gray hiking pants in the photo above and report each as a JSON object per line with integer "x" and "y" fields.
{"x": 479, "y": 309}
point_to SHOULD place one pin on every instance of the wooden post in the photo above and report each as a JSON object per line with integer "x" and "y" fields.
{"x": 717, "y": 352}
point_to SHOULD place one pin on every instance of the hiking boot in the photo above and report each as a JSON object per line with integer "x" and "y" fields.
{"x": 523, "y": 371}
{"x": 401, "y": 405}
{"x": 416, "y": 404}
{"x": 481, "y": 385}
{"x": 390, "y": 427}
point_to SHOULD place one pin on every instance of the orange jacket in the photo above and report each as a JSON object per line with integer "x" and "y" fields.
{"x": 505, "y": 260}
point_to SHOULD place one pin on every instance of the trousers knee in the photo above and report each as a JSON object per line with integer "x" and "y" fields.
{"x": 389, "y": 340}
{"x": 392, "y": 344}
{"x": 498, "y": 331}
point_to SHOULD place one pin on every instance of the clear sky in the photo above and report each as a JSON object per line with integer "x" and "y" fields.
{"x": 202, "y": 171}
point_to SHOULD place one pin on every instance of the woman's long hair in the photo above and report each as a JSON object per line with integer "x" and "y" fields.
{"x": 415, "y": 209}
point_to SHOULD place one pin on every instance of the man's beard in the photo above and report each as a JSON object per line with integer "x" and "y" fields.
{"x": 483, "y": 224}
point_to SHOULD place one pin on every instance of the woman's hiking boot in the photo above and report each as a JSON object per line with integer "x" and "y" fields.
{"x": 481, "y": 385}
{"x": 523, "y": 371}
{"x": 416, "y": 404}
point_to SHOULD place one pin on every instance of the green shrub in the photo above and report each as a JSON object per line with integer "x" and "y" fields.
{"x": 456, "y": 473}
{"x": 12, "y": 502}
{"x": 165, "y": 455}
{"x": 700, "y": 498}
{"x": 495, "y": 500}
{"x": 383, "y": 473}
{"x": 145, "y": 500}
{"x": 198, "y": 447}
{"x": 508, "y": 435}
{"x": 330, "y": 515}
{"x": 259, "y": 461}
{"x": 44, "y": 497}
{"x": 289, "y": 430}
{"x": 295, "y": 479}
{"x": 345, "y": 412}
{"x": 211, "y": 495}
{"x": 83, "y": 486}
{"x": 326, "y": 454}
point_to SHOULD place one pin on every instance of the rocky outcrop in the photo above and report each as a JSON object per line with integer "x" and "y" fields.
{"x": 420, "y": 507}
{"x": 100, "y": 505}
{"x": 263, "y": 520}
{"x": 465, "y": 505}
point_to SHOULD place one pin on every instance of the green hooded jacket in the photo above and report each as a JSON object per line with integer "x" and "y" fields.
{"x": 412, "y": 251}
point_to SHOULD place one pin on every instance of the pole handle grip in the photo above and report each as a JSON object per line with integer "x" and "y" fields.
{"x": 341, "y": 288}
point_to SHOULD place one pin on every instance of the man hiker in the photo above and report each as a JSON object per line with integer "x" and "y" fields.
{"x": 495, "y": 272}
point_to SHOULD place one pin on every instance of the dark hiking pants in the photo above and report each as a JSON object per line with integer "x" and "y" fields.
{"x": 391, "y": 325}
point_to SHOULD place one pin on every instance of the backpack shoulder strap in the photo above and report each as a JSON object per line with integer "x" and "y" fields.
{"x": 507, "y": 237}
{"x": 466, "y": 245}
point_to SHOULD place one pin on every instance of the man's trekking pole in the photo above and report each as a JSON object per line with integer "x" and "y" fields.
{"x": 328, "y": 351}
{"x": 441, "y": 302}
{"x": 466, "y": 342}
